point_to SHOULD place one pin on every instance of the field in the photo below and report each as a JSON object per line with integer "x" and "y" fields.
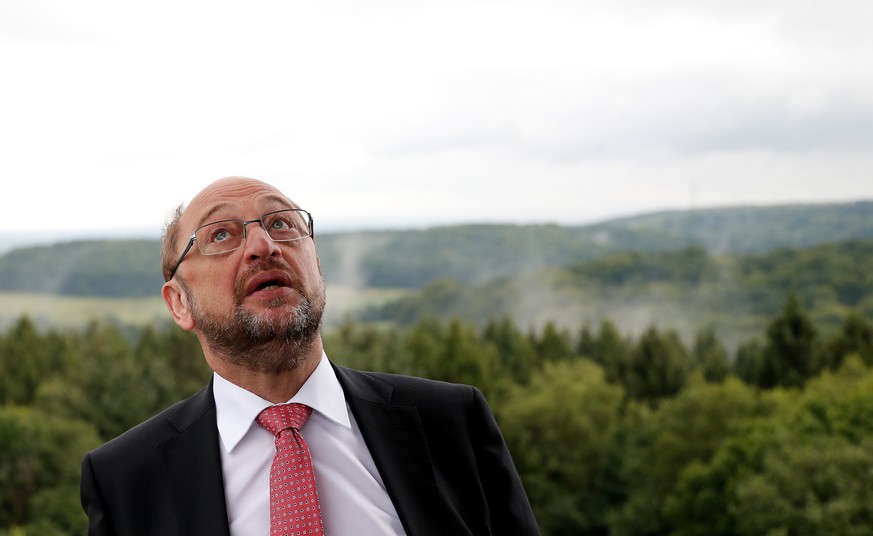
{"x": 48, "y": 310}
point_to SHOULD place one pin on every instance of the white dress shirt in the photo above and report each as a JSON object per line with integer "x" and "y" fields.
{"x": 350, "y": 490}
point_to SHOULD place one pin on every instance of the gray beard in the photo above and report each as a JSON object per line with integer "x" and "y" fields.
{"x": 262, "y": 345}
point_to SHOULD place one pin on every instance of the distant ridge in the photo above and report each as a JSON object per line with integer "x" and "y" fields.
{"x": 755, "y": 229}
{"x": 472, "y": 253}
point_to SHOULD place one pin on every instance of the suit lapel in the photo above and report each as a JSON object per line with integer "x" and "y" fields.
{"x": 396, "y": 440}
{"x": 193, "y": 468}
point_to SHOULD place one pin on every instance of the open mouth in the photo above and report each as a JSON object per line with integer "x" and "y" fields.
{"x": 269, "y": 280}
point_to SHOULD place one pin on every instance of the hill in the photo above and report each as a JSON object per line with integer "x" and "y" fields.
{"x": 470, "y": 254}
{"x": 683, "y": 289}
{"x": 478, "y": 253}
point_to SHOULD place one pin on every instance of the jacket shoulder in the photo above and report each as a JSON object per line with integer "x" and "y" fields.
{"x": 398, "y": 389}
{"x": 157, "y": 429}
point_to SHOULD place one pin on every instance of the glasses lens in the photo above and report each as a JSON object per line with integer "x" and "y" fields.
{"x": 287, "y": 225}
{"x": 220, "y": 237}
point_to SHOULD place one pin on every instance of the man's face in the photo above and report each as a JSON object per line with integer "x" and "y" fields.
{"x": 259, "y": 306}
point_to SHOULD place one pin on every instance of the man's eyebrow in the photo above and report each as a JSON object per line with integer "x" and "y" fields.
{"x": 282, "y": 200}
{"x": 206, "y": 218}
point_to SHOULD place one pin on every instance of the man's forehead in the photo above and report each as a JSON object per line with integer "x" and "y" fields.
{"x": 228, "y": 199}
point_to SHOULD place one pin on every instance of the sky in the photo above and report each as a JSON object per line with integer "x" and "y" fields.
{"x": 417, "y": 113}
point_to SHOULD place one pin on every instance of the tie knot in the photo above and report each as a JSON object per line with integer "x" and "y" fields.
{"x": 284, "y": 416}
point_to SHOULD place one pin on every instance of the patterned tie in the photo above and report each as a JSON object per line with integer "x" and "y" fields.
{"x": 294, "y": 508}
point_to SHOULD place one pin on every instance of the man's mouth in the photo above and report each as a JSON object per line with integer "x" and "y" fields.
{"x": 270, "y": 280}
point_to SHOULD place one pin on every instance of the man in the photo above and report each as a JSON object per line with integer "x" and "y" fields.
{"x": 391, "y": 454}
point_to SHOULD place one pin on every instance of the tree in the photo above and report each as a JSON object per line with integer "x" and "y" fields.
{"x": 789, "y": 351}
{"x": 685, "y": 430}
{"x": 610, "y": 350}
{"x": 515, "y": 353}
{"x": 552, "y": 344}
{"x": 27, "y": 358}
{"x": 656, "y": 368}
{"x": 710, "y": 355}
{"x": 172, "y": 354}
{"x": 366, "y": 347}
{"x": 563, "y": 430}
{"x": 854, "y": 337}
{"x": 39, "y": 469}
{"x": 749, "y": 363}
{"x": 452, "y": 353}
{"x": 109, "y": 387}
{"x": 802, "y": 470}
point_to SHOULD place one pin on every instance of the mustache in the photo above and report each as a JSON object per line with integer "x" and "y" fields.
{"x": 269, "y": 263}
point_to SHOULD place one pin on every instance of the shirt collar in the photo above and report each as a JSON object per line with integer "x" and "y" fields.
{"x": 237, "y": 408}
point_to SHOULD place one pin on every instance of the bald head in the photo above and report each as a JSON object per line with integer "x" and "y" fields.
{"x": 208, "y": 201}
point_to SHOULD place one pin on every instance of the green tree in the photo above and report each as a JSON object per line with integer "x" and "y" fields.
{"x": 749, "y": 362}
{"x": 515, "y": 353}
{"x": 610, "y": 350}
{"x": 802, "y": 470}
{"x": 656, "y": 368}
{"x": 684, "y": 430}
{"x": 366, "y": 347}
{"x": 710, "y": 355}
{"x": 27, "y": 358}
{"x": 172, "y": 363}
{"x": 563, "y": 429}
{"x": 790, "y": 347}
{"x": 109, "y": 387}
{"x": 854, "y": 337}
{"x": 585, "y": 343}
{"x": 39, "y": 469}
{"x": 452, "y": 353}
{"x": 552, "y": 344}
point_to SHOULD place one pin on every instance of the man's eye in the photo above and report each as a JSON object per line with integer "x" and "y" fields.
{"x": 280, "y": 225}
{"x": 220, "y": 236}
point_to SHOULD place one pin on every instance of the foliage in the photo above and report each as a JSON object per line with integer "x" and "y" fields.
{"x": 563, "y": 428}
{"x": 64, "y": 394}
{"x": 612, "y": 433}
{"x": 84, "y": 268}
{"x": 39, "y": 462}
{"x": 688, "y": 428}
{"x": 683, "y": 288}
{"x": 710, "y": 355}
{"x": 656, "y": 368}
{"x": 804, "y": 471}
{"x": 475, "y": 254}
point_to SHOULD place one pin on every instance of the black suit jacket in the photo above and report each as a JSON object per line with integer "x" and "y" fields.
{"x": 436, "y": 445}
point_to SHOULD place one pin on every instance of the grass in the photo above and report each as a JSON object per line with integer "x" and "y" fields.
{"x": 48, "y": 310}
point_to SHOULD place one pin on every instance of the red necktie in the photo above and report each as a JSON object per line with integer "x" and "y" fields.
{"x": 294, "y": 508}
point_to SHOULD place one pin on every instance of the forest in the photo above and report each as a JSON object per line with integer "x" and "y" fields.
{"x": 702, "y": 372}
{"x": 470, "y": 254}
{"x": 612, "y": 434}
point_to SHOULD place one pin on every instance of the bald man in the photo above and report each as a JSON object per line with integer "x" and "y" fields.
{"x": 380, "y": 454}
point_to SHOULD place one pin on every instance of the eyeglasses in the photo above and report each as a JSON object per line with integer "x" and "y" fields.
{"x": 227, "y": 235}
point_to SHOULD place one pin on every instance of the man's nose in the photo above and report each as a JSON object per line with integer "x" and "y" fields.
{"x": 258, "y": 242}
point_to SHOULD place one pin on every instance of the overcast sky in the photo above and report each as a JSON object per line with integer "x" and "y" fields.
{"x": 384, "y": 113}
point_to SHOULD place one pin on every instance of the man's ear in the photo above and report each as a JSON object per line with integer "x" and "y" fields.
{"x": 177, "y": 303}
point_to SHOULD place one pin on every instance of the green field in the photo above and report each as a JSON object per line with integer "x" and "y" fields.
{"x": 49, "y": 310}
{"x": 75, "y": 311}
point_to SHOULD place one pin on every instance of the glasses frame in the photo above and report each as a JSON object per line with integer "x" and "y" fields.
{"x": 245, "y": 224}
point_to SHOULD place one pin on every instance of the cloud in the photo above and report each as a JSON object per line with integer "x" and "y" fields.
{"x": 397, "y": 113}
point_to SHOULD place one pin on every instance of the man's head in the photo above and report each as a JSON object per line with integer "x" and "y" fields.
{"x": 258, "y": 306}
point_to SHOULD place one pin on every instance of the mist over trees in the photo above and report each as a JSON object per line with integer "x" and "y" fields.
{"x": 469, "y": 254}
